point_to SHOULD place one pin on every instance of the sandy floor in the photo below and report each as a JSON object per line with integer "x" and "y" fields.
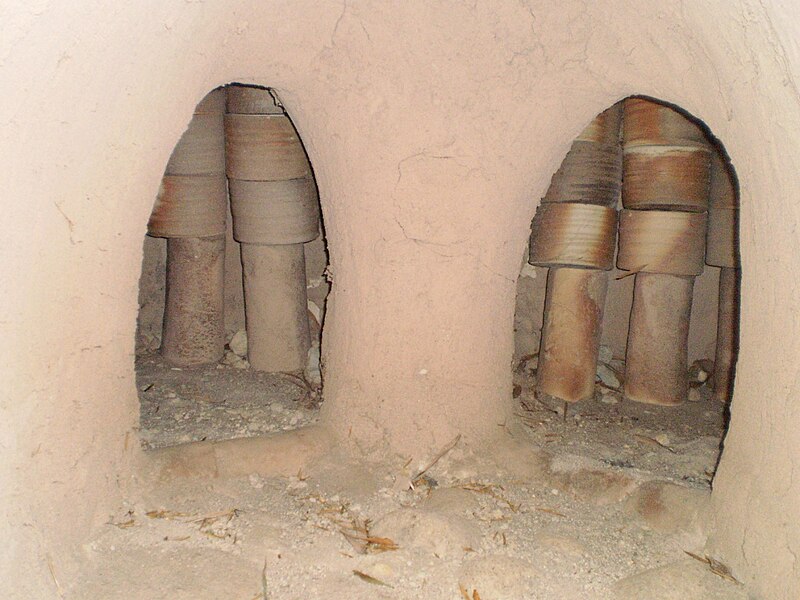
{"x": 216, "y": 402}
{"x": 602, "y": 504}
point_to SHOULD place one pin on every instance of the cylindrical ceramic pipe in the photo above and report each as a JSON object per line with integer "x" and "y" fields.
{"x": 574, "y": 233}
{"x": 727, "y": 334}
{"x": 271, "y": 220}
{"x": 275, "y": 210}
{"x": 194, "y": 332}
{"x": 665, "y": 187}
{"x": 592, "y": 170}
{"x": 649, "y": 123}
{"x": 656, "y": 359}
{"x": 573, "y": 315}
{"x": 666, "y": 178}
{"x": 665, "y": 249}
{"x": 577, "y": 242}
{"x": 276, "y": 309}
{"x": 661, "y": 241}
{"x": 723, "y": 251}
{"x": 190, "y": 211}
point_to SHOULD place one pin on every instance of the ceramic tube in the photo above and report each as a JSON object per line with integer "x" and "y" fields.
{"x": 276, "y": 307}
{"x": 656, "y": 369}
{"x": 190, "y": 212}
{"x": 727, "y": 334}
{"x": 193, "y": 331}
{"x": 573, "y": 313}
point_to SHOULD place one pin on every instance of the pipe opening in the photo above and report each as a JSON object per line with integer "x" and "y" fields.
{"x": 627, "y": 314}
{"x": 233, "y": 285}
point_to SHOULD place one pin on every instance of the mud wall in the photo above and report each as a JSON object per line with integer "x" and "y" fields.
{"x": 432, "y": 127}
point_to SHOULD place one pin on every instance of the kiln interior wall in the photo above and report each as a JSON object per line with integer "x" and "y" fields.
{"x": 431, "y": 126}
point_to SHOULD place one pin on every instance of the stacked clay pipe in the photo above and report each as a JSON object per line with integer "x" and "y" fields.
{"x": 722, "y": 250}
{"x": 574, "y": 234}
{"x": 662, "y": 232}
{"x": 275, "y": 210}
{"x": 190, "y": 211}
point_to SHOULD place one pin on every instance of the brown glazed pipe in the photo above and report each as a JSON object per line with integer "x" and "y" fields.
{"x": 574, "y": 233}
{"x": 666, "y": 179}
{"x": 656, "y": 359}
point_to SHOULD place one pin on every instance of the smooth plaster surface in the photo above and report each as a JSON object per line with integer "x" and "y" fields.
{"x": 431, "y": 126}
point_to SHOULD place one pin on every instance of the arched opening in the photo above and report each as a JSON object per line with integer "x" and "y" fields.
{"x": 626, "y": 324}
{"x": 233, "y": 284}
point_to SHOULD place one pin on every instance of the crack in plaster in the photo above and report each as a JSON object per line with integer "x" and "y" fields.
{"x": 431, "y": 245}
{"x": 70, "y": 223}
{"x": 342, "y": 15}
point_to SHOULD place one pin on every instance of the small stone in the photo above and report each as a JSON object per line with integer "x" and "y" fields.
{"x": 662, "y": 438}
{"x": 255, "y": 481}
{"x": 312, "y": 372}
{"x": 607, "y": 376}
{"x": 234, "y": 360}
{"x": 695, "y": 395}
{"x": 608, "y": 396}
{"x": 605, "y": 354}
{"x": 381, "y": 571}
{"x": 700, "y": 371}
{"x": 528, "y": 270}
{"x": 238, "y": 343}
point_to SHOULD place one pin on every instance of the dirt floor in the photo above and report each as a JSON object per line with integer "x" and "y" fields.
{"x": 217, "y": 402}
{"x": 605, "y": 503}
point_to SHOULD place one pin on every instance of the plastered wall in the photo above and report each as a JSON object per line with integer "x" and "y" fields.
{"x": 431, "y": 127}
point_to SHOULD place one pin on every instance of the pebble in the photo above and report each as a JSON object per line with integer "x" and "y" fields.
{"x": 608, "y": 396}
{"x": 234, "y": 360}
{"x": 695, "y": 395}
{"x": 238, "y": 343}
{"x": 607, "y": 376}
{"x": 312, "y": 371}
{"x": 701, "y": 370}
{"x": 605, "y": 354}
{"x": 528, "y": 270}
{"x": 382, "y": 571}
